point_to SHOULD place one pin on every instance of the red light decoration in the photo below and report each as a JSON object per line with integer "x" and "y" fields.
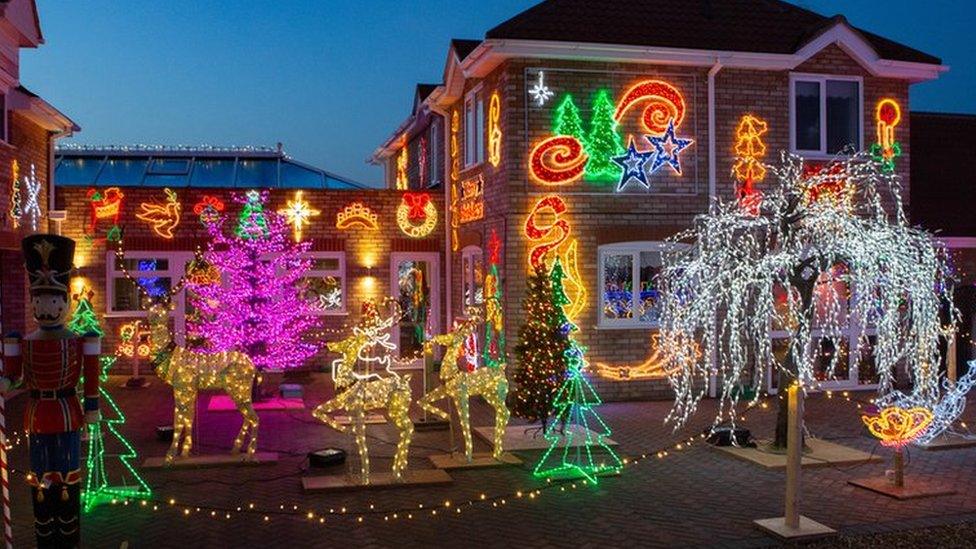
{"x": 834, "y": 188}
{"x": 494, "y": 248}
{"x": 664, "y": 102}
{"x": 416, "y": 215}
{"x": 208, "y": 208}
{"x": 547, "y": 234}
{"x": 106, "y": 204}
{"x": 887, "y": 115}
{"x": 558, "y": 160}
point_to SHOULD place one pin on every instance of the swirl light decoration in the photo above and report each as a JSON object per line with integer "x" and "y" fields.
{"x": 416, "y": 215}
{"x": 557, "y": 160}
{"x": 664, "y": 102}
{"x": 357, "y": 216}
{"x": 494, "y": 131}
{"x": 555, "y": 205}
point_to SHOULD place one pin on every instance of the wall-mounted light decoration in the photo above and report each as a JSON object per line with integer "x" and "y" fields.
{"x": 494, "y": 130}
{"x": 209, "y": 209}
{"x": 32, "y": 205}
{"x": 402, "y": 162}
{"x": 455, "y": 150}
{"x": 634, "y": 164}
{"x": 471, "y": 203}
{"x": 667, "y": 148}
{"x": 164, "y": 217}
{"x": 557, "y": 160}
{"x": 748, "y": 168}
{"x": 16, "y": 210}
{"x": 547, "y": 238}
{"x": 298, "y": 213}
{"x": 657, "y": 365}
{"x": 133, "y": 340}
{"x": 416, "y": 215}
{"x": 201, "y": 272}
{"x": 357, "y": 216}
{"x": 664, "y": 105}
{"x": 540, "y": 92}
{"x": 105, "y": 204}
{"x": 422, "y": 160}
{"x": 887, "y": 115}
{"x": 830, "y": 184}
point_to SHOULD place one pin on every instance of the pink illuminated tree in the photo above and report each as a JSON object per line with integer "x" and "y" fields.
{"x": 258, "y": 308}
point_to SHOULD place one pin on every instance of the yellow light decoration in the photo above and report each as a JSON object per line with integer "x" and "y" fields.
{"x": 552, "y": 240}
{"x": 361, "y": 392}
{"x": 470, "y": 202}
{"x": 163, "y": 218}
{"x": 455, "y": 150}
{"x": 455, "y": 217}
{"x": 460, "y": 385}
{"x": 416, "y": 207}
{"x": 897, "y": 427}
{"x": 201, "y": 272}
{"x": 357, "y": 216}
{"x": 298, "y": 213}
{"x": 133, "y": 340}
{"x": 494, "y": 131}
{"x": 887, "y": 115}
{"x": 750, "y": 149}
{"x": 655, "y": 367}
{"x": 188, "y": 372}
{"x": 403, "y": 159}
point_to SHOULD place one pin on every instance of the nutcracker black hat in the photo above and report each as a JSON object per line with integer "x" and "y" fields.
{"x": 49, "y": 259}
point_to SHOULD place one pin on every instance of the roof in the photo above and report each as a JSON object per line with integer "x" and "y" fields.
{"x": 762, "y": 26}
{"x": 40, "y": 111}
{"x": 463, "y": 47}
{"x": 423, "y": 92}
{"x": 189, "y": 166}
{"x": 943, "y": 170}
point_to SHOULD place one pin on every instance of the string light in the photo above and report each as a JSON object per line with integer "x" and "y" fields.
{"x": 748, "y": 168}
{"x": 298, "y": 213}
{"x": 655, "y": 367}
{"x": 357, "y": 216}
{"x": 16, "y": 210}
{"x": 460, "y": 384}
{"x": 494, "y": 130}
{"x": 208, "y": 209}
{"x": 360, "y": 392}
{"x": 402, "y": 163}
{"x": 787, "y": 269}
{"x": 664, "y": 104}
{"x": 455, "y": 150}
{"x": 416, "y": 207}
{"x": 189, "y": 371}
{"x": 163, "y": 218}
{"x": 946, "y": 408}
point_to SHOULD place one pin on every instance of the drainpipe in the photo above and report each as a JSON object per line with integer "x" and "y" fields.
{"x": 448, "y": 259}
{"x": 712, "y": 186}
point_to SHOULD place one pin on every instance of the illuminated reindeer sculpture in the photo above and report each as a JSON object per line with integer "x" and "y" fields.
{"x": 360, "y": 392}
{"x": 189, "y": 371}
{"x": 460, "y": 385}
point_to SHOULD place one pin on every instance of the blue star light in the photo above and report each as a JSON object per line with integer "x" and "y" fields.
{"x": 633, "y": 164}
{"x": 667, "y": 149}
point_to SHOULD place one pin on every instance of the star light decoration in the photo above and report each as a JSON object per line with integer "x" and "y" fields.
{"x": 667, "y": 148}
{"x": 539, "y": 92}
{"x": 820, "y": 271}
{"x": 633, "y": 163}
{"x": 298, "y": 213}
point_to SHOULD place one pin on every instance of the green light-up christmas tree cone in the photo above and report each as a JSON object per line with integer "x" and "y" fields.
{"x": 97, "y": 489}
{"x": 567, "y": 120}
{"x": 603, "y": 142}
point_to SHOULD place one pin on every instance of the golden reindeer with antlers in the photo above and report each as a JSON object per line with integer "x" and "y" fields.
{"x": 460, "y": 385}
{"x": 189, "y": 371}
{"x": 361, "y": 392}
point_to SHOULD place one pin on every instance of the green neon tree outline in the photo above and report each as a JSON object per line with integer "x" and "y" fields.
{"x": 567, "y": 120}
{"x": 97, "y": 489}
{"x": 603, "y": 142}
{"x": 84, "y": 320}
{"x": 252, "y": 223}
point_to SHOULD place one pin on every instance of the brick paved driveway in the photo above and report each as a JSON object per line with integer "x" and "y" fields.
{"x": 691, "y": 497}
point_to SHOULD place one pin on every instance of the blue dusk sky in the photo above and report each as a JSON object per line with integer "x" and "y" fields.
{"x": 332, "y": 79}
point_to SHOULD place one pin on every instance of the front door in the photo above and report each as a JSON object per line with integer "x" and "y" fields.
{"x": 415, "y": 280}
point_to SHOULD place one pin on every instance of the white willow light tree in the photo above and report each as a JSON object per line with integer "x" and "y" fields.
{"x": 821, "y": 259}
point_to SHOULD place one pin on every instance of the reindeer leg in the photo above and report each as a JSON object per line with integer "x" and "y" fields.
{"x": 189, "y": 412}
{"x": 359, "y": 431}
{"x": 502, "y": 414}
{"x": 426, "y": 402}
{"x": 177, "y": 432}
{"x": 323, "y": 411}
{"x": 398, "y": 409}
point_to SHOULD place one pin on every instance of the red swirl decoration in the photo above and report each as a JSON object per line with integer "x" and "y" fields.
{"x": 664, "y": 103}
{"x": 535, "y": 232}
{"x": 558, "y": 160}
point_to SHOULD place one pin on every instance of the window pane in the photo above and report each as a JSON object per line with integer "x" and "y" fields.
{"x": 867, "y": 372}
{"x": 478, "y": 278}
{"x": 414, "y": 292}
{"x": 470, "y": 132}
{"x": 170, "y": 166}
{"x": 325, "y": 264}
{"x": 297, "y": 177}
{"x": 807, "y": 109}
{"x": 213, "y": 173}
{"x": 166, "y": 181}
{"x": 323, "y": 293}
{"x": 143, "y": 264}
{"x": 821, "y": 368}
{"x": 618, "y": 277}
{"x": 78, "y": 171}
{"x": 843, "y": 126}
{"x": 127, "y": 298}
{"x": 122, "y": 172}
{"x": 257, "y": 173}
{"x": 479, "y": 134}
{"x": 649, "y": 301}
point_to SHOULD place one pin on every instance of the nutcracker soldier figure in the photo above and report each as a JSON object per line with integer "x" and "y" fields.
{"x": 50, "y": 362}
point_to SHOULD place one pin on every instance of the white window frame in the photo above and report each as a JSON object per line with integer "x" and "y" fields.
{"x": 633, "y": 249}
{"x": 474, "y": 115}
{"x": 339, "y": 273}
{"x": 468, "y": 255}
{"x": 434, "y": 145}
{"x": 821, "y": 80}
{"x": 177, "y": 267}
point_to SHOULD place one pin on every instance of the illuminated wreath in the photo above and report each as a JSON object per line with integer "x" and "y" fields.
{"x": 414, "y": 208}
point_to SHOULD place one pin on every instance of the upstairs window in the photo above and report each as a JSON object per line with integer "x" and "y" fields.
{"x": 3, "y": 114}
{"x": 825, "y": 114}
{"x": 434, "y": 144}
{"x": 474, "y": 128}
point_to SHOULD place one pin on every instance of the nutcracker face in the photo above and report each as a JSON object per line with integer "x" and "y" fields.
{"x": 50, "y": 309}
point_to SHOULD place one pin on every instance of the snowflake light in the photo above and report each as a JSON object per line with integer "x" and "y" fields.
{"x": 539, "y": 92}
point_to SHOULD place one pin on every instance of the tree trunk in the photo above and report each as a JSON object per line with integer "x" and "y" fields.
{"x": 789, "y": 373}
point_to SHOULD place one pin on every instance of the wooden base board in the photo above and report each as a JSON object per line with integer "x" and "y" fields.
{"x": 371, "y": 419}
{"x": 478, "y": 461}
{"x": 913, "y": 489}
{"x": 809, "y": 529}
{"x": 530, "y": 437}
{"x": 949, "y": 443}
{"x": 218, "y": 460}
{"x": 821, "y": 454}
{"x": 377, "y": 481}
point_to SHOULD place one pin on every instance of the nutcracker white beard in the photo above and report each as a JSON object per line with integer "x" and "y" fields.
{"x": 50, "y": 309}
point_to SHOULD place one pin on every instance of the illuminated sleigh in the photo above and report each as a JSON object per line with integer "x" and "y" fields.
{"x": 106, "y": 204}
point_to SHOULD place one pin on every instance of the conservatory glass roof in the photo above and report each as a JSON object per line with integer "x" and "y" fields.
{"x": 151, "y": 166}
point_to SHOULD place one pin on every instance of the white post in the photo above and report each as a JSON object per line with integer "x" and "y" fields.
{"x": 794, "y": 453}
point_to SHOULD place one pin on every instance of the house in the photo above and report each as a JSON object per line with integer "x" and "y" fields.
{"x": 543, "y": 133}
{"x": 29, "y": 127}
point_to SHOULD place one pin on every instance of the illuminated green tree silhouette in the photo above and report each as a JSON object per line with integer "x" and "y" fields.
{"x": 84, "y": 320}
{"x": 603, "y": 142}
{"x": 567, "y": 120}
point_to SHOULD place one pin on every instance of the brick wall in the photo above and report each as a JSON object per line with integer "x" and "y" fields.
{"x": 367, "y": 253}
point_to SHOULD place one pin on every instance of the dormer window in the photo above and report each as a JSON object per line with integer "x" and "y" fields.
{"x": 825, "y": 114}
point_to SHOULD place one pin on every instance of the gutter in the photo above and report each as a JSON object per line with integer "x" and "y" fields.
{"x": 712, "y": 161}
{"x": 448, "y": 259}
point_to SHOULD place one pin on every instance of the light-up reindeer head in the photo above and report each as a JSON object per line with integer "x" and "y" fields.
{"x": 455, "y": 341}
{"x": 368, "y": 333}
